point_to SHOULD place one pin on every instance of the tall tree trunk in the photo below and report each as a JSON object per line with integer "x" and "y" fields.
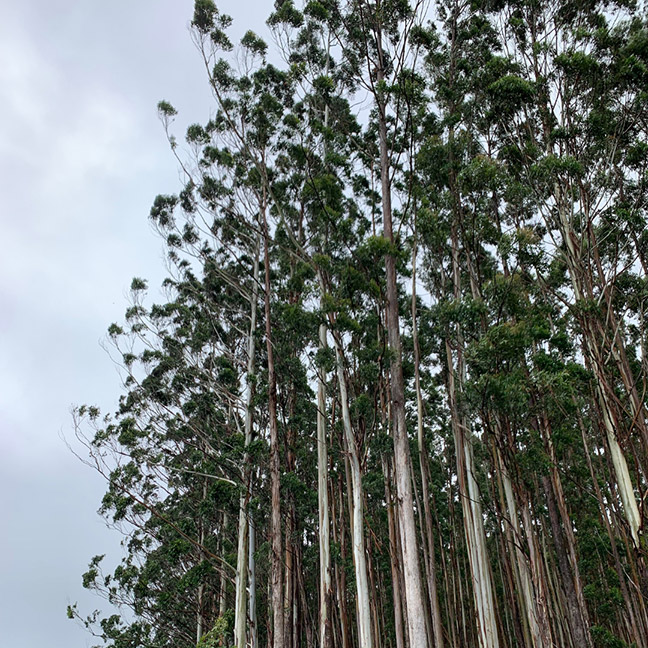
{"x": 222, "y": 595}
{"x": 395, "y": 558}
{"x": 537, "y": 573}
{"x": 275, "y": 476}
{"x": 512, "y": 582}
{"x": 254, "y": 635}
{"x": 199, "y": 613}
{"x": 339, "y": 536}
{"x": 525, "y": 590}
{"x": 437, "y": 626}
{"x": 289, "y": 582}
{"x": 357, "y": 518}
{"x": 201, "y": 587}
{"x": 416, "y": 612}
{"x": 325, "y": 635}
{"x": 468, "y": 489}
{"x": 323, "y": 505}
{"x": 240, "y": 613}
{"x": 356, "y": 497}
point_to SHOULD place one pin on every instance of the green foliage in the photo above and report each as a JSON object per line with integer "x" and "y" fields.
{"x": 204, "y": 12}
{"x": 166, "y": 109}
{"x": 511, "y": 93}
{"x": 517, "y": 169}
{"x": 138, "y": 284}
{"x": 254, "y": 44}
{"x": 216, "y": 636}
{"x": 603, "y": 638}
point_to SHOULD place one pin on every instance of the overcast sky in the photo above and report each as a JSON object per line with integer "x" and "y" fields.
{"x": 82, "y": 155}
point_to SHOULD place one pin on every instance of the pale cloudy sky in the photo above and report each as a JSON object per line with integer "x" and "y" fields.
{"x": 82, "y": 155}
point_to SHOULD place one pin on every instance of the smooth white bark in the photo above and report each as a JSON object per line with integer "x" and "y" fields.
{"x": 322, "y": 497}
{"x": 473, "y": 520}
{"x": 435, "y": 609}
{"x": 624, "y": 481}
{"x": 359, "y": 556}
{"x": 240, "y": 615}
{"x": 525, "y": 595}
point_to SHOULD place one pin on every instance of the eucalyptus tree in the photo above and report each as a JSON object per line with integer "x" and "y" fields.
{"x": 170, "y": 454}
{"x": 582, "y": 115}
{"x": 573, "y": 140}
{"x": 322, "y": 125}
{"x": 458, "y": 259}
{"x": 404, "y": 339}
{"x": 507, "y": 147}
{"x": 378, "y": 55}
{"x": 249, "y": 113}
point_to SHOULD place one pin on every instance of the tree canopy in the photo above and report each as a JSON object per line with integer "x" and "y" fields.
{"x": 396, "y": 396}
